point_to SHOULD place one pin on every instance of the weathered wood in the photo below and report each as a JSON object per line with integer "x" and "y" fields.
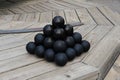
{"x": 78, "y": 71}
{"x": 85, "y": 17}
{"x": 107, "y": 51}
{"x": 112, "y": 16}
{"x": 71, "y": 16}
{"x": 98, "y": 17}
{"x": 114, "y": 72}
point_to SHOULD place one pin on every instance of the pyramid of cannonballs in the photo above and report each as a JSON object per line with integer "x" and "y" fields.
{"x": 58, "y": 43}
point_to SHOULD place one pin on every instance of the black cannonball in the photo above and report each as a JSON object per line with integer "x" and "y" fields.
{"x": 77, "y": 37}
{"x": 69, "y": 29}
{"x": 49, "y": 55}
{"x": 30, "y": 47}
{"x": 79, "y": 49}
{"x": 71, "y": 53}
{"x": 59, "y": 33}
{"x": 39, "y": 38}
{"x": 48, "y": 30}
{"x": 61, "y": 59}
{"x": 70, "y": 41}
{"x": 39, "y": 51}
{"x": 60, "y": 46}
{"x": 86, "y": 45}
{"x": 58, "y": 21}
{"x": 48, "y": 42}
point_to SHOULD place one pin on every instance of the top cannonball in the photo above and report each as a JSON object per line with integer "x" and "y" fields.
{"x": 48, "y": 30}
{"x": 58, "y": 21}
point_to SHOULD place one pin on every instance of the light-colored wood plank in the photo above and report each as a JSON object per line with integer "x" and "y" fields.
{"x": 58, "y": 6}
{"x": 105, "y": 55}
{"x": 30, "y": 17}
{"x": 5, "y": 12}
{"x": 6, "y": 17}
{"x": 71, "y": 16}
{"x": 46, "y": 17}
{"x": 76, "y": 3}
{"x": 27, "y": 9}
{"x": 60, "y": 2}
{"x": 11, "y": 53}
{"x": 98, "y": 17}
{"x": 22, "y": 17}
{"x": 45, "y": 6}
{"x": 50, "y": 6}
{"x": 112, "y": 16}
{"x": 11, "y": 42}
{"x": 16, "y": 10}
{"x": 39, "y": 9}
{"x": 85, "y": 16}
{"x": 16, "y": 17}
{"x": 97, "y": 34}
{"x": 114, "y": 73}
{"x": 76, "y": 71}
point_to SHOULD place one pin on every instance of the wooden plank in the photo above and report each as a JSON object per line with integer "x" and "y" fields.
{"x": 46, "y": 17}
{"x": 37, "y": 17}
{"x": 5, "y": 12}
{"x": 11, "y": 42}
{"x": 98, "y": 17}
{"x": 97, "y": 34}
{"x": 45, "y": 6}
{"x": 87, "y": 3}
{"x": 78, "y": 71}
{"x": 49, "y": 5}
{"x": 30, "y": 17}
{"x": 11, "y": 53}
{"x": 27, "y": 9}
{"x": 103, "y": 60}
{"x": 16, "y": 17}
{"x": 85, "y": 16}
{"x": 37, "y": 8}
{"x": 4, "y": 25}
{"x": 28, "y": 71}
{"x": 6, "y": 17}
{"x": 58, "y": 5}
{"x": 21, "y": 61}
{"x": 76, "y": 3}
{"x": 60, "y": 2}
{"x": 112, "y": 16}
{"x": 22, "y": 17}
{"x": 71, "y": 16}
{"x": 114, "y": 72}
{"x": 113, "y": 75}
{"x": 16, "y": 10}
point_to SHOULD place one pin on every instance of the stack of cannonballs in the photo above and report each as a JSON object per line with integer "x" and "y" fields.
{"x": 58, "y": 43}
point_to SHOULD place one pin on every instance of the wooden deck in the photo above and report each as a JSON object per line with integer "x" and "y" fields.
{"x": 101, "y": 29}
